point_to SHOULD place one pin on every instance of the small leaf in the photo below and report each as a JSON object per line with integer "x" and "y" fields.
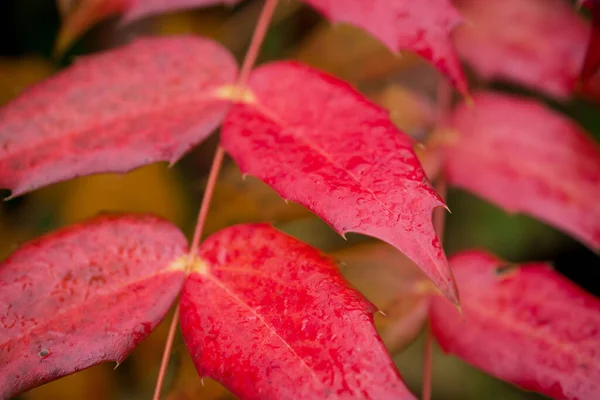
{"x": 149, "y": 101}
{"x": 537, "y": 43}
{"x": 529, "y": 326}
{"x": 271, "y": 318}
{"x": 85, "y": 294}
{"x": 318, "y": 142}
{"x": 422, "y": 27}
{"x": 526, "y": 158}
{"x": 591, "y": 63}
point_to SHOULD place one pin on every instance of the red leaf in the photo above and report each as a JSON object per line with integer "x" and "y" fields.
{"x": 85, "y": 294}
{"x": 526, "y": 158}
{"x": 318, "y": 142}
{"x": 538, "y": 43}
{"x": 528, "y": 326}
{"x": 271, "y": 318}
{"x": 143, "y": 8}
{"x": 149, "y": 101}
{"x": 591, "y": 62}
{"x": 422, "y": 27}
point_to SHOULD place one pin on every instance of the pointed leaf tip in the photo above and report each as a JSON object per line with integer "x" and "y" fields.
{"x": 349, "y": 165}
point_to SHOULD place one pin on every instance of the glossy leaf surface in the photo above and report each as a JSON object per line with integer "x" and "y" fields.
{"x": 422, "y": 27}
{"x": 271, "y": 318}
{"x": 527, "y": 325}
{"x": 149, "y": 101}
{"x": 320, "y": 143}
{"x": 85, "y": 294}
{"x": 142, "y": 8}
{"x": 536, "y": 43}
{"x": 526, "y": 158}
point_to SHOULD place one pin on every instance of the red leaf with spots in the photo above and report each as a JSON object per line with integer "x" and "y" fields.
{"x": 537, "y": 43}
{"x": 320, "y": 143}
{"x": 271, "y": 318}
{"x": 85, "y": 294}
{"x": 524, "y": 324}
{"x": 422, "y": 27}
{"x": 149, "y": 101}
{"x": 526, "y": 158}
{"x": 591, "y": 62}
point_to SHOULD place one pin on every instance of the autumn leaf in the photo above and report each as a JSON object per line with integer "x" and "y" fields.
{"x": 536, "y": 43}
{"x": 143, "y": 8}
{"x": 591, "y": 63}
{"x": 524, "y": 324}
{"x": 319, "y": 143}
{"x": 85, "y": 294}
{"x": 526, "y": 158}
{"x": 422, "y": 27}
{"x": 271, "y": 318}
{"x": 149, "y": 101}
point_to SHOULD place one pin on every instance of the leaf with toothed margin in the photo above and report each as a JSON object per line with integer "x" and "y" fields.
{"x": 525, "y": 324}
{"x": 149, "y": 101}
{"x": 85, "y": 294}
{"x": 271, "y": 318}
{"x": 320, "y": 143}
{"x": 422, "y": 27}
{"x": 527, "y": 158}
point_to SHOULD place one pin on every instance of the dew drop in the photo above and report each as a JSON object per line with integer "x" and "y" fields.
{"x": 44, "y": 352}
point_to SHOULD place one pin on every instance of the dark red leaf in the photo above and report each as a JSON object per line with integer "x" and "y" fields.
{"x": 85, "y": 294}
{"x": 525, "y": 324}
{"x": 538, "y": 43}
{"x": 320, "y": 143}
{"x": 271, "y": 318}
{"x": 527, "y": 158}
{"x": 591, "y": 62}
{"x": 422, "y": 27}
{"x": 149, "y": 101}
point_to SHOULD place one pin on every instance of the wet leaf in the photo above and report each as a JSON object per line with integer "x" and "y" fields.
{"x": 537, "y": 43}
{"x": 149, "y": 101}
{"x": 527, "y": 325}
{"x": 143, "y": 8}
{"x": 271, "y": 318}
{"x": 526, "y": 158}
{"x": 349, "y": 165}
{"x": 422, "y": 27}
{"x": 83, "y": 295}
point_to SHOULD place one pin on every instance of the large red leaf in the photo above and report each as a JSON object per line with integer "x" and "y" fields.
{"x": 85, "y": 294}
{"x": 526, "y": 158}
{"x": 422, "y": 27}
{"x": 318, "y": 142}
{"x": 149, "y": 101}
{"x": 271, "y": 318}
{"x": 538, "y": 43}
{"x": 527, "y": 325}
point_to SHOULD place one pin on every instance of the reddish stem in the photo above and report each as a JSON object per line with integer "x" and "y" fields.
{"x": 249, "y": 60}
{"x": 426, "y": 392}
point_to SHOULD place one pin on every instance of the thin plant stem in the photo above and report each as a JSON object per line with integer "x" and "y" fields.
{"x": 249, "y": 61}
{"x": 444, "y": 102}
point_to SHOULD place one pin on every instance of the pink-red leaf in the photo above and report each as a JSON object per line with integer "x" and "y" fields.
{"x": 591, "y": 63}
{"x": 527, "y": 325}
{"x": 526, "y": 158}
{"x": 422, "y": 27}
{"x": 149, "y": 101}
{"x": 537, "y": 43}
{"x": 271, "y": 318}
{"x": 320, "y": 143}
{"x": 142, "y": 8}
{"x": 85, "y": 294}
